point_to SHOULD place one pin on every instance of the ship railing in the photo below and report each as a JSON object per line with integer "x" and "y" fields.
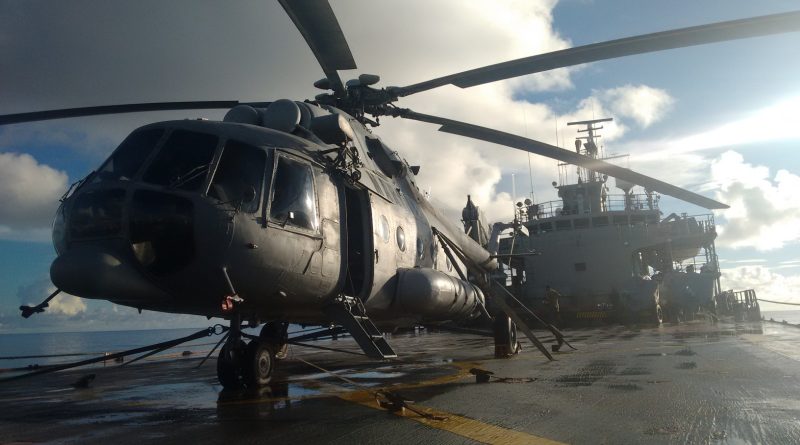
{"x": 612, "y": 203}
{"x": 685, "y": 224}
{"x": 742, "y": 304}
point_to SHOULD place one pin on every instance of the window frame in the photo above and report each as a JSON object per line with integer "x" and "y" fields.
{"x": 266, "y": 176}
{"x": 267, "y": 207}
{"x": 151, "y": 158}
{"x": 145, "y": 164}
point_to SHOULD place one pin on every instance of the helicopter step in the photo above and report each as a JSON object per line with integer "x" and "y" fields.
{"x": 350, "y": 313}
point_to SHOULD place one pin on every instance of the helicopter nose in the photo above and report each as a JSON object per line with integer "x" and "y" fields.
{"x": 96, "y": 272}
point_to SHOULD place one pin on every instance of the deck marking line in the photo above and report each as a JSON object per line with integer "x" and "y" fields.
{"x": 462, "y": 426}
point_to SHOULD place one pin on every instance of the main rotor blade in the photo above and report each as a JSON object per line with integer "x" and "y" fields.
{"x": 551, "y": 151}
{"x": 114, "y": 109}
{"x": 659, "y": 41}
{"x": 317, "y": 23}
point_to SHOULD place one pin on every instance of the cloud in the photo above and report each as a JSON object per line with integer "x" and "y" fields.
{"x": 474, "y": 34}
{"x": 62, "y": 304}
{"x": 29, "y": 193}
{"x": 773, "y": 123}
{"x": 765, "y": 210}
{"x": 767, "y": 284}
{"x": 645, "y": 105}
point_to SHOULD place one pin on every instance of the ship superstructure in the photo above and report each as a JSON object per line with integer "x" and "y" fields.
{"x": 610, "y": 254}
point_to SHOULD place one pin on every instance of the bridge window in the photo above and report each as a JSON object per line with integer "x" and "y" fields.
{"x": 564, "y": 224}
{"x": 581, "y": 223}
{"x": 621, "y": 220}
{"x": 637, "y": 219}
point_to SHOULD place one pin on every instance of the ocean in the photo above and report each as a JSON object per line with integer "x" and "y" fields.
{"x": 23, "y": 350}
{"x": 19, "y": 351}
{"x": 792, "y": 317}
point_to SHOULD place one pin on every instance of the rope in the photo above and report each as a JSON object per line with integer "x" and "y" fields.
{"x": 779, "y": 302}
{"x": 385, "y": 399}
{"x": 159, "y": 346}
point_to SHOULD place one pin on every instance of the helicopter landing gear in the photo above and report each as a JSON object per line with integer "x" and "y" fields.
{"x": 505, "y": 336}
{"x": 229, "y": 364}
{"x": 259, "y": 364}
{"x": 249, "y": 365}
{"x": 275, "y": 334}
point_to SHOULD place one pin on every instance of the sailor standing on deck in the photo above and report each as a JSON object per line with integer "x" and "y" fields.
{"x": 554, "y": 311}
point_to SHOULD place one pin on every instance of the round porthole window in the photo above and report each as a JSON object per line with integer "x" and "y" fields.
{"x": 401, "y": 239}
{"x": 384, "y": 229}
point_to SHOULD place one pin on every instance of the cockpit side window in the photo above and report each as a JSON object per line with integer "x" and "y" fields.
{"x": 293, "y": 199}
{"x": 183, "y": 160}
{"x": 239, "y": 176}
{"x": 130, "y": 156}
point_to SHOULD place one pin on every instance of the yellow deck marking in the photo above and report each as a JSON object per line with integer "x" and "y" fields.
{"x": 463, "y": 426}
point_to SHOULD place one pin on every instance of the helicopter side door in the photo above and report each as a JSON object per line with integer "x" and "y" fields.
{"x": 302, "y": 225}
{"x": 357, "y": 245}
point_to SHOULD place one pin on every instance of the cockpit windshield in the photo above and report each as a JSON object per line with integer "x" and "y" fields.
{"x": 239, "y": 176}
{"x": 130, "y": 156}
{"x": 183, "y": 161}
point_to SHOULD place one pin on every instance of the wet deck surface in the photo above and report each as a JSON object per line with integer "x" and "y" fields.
{"x": 689, "y": 383}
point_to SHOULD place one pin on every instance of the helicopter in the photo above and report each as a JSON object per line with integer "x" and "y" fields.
{"x": 297, "y": 212}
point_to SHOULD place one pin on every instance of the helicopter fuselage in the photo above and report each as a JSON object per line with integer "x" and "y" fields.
{"x": 185, "y": 214}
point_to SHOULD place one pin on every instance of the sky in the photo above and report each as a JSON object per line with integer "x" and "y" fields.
{"x": 718, "y": 119}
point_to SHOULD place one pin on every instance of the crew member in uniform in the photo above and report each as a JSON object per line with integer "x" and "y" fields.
{"x": 554, "y": 311}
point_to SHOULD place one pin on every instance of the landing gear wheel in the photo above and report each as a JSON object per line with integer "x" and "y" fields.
{"x": 659, "y": 315}
{"x": 275, "y": 334}
{"x": 259, "y": 363}
{"x": 229, "y": 365}
{"x": 505, "y": 337}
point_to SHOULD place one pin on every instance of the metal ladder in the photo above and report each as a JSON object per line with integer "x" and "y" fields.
{"x": 349, "y": 312}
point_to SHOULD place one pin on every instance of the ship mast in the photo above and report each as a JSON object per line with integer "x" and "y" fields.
{"x": 588, "y": 148}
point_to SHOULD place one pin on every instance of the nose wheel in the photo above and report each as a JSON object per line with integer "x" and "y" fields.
{"x": 250, "y": 365}
{"x": 229, "y": 364}
{"x": 505, "y": 336}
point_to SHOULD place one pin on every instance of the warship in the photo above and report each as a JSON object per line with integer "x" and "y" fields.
{"x": 614, "y": 256}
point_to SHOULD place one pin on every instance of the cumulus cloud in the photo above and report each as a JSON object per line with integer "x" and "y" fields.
{"x": 767, "y": 284}
{"x": 62, "y": 304}
{"x": 772, "y": 123}
{"x": 29, "y": 192}
{"x": 471, "y": 35}
{"x": 645, "y": 105}
{"x": 765, "y": 209}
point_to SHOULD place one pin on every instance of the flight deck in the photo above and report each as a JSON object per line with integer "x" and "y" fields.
{"x": 694, "y": 382}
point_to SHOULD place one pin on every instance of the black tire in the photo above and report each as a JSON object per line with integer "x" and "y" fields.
{"x": 659, "y": 318}
{"x": 505, "y": 337}
{"x": 259, "y": 364}
{"x": 229, "y": 365}
{"x": 275, "y": 335}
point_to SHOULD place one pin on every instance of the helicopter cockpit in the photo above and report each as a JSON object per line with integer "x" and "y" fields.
{"x": 152, "y": 199}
